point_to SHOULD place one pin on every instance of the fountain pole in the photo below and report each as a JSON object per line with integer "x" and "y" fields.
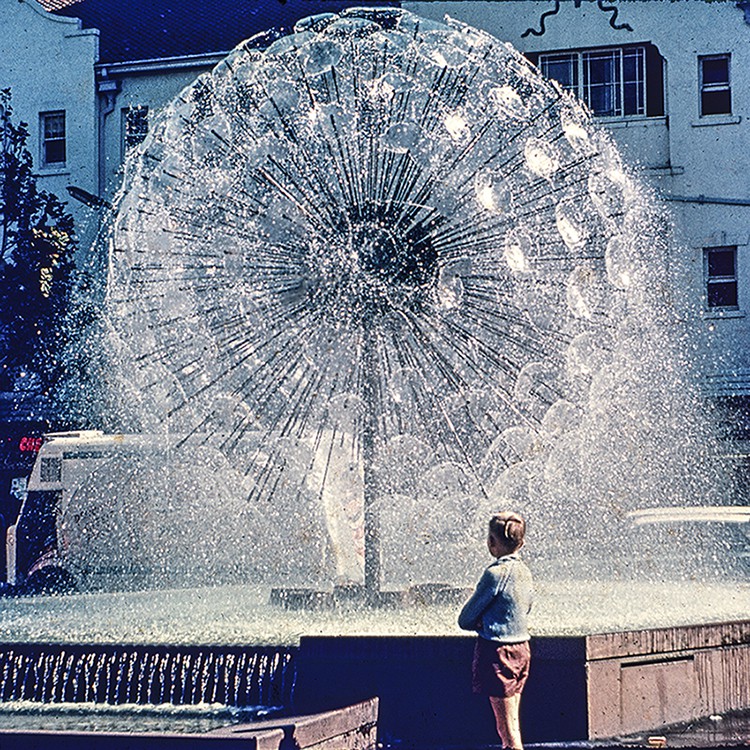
{"x": 371, "y": 514}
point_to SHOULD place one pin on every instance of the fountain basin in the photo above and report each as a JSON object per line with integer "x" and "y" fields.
{"x": 629, "y": 658}
{"x": 241, "y": 614}
{"x": 249, "y": 678}
{"x": 592, "y": 687}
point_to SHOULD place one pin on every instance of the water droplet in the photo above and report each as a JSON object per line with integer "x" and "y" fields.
{"x": 560, "y": 418}
{"x": 585, "y": 355}
{"x": 457, "y": 127}
{"x": 620, "y": 263}
{"x": 571, "y": 224}
{"x": 491, "y": 191}
{"x": 320, "y": 56}
{"x": 576, "y": 131}
{"x": 541, "y": 158}
{"x": 506, "y": 102}
{"x": 519, "y": 248}
{"x": 402, "y": 136}
{"x": 578, "y": 293}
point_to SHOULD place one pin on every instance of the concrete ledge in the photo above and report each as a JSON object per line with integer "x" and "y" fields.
{"x": 349, "y": 728}
{"x": 664, "y": 640}
{"x": 580, "y": 688}
{"x": 651, "y": 678}
{"x": 270, "y": 739}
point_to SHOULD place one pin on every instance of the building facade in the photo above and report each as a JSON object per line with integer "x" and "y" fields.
{"x": 89, "y": 76}
{"x": 670, "y": 80}
{"x": 49, "y": 62}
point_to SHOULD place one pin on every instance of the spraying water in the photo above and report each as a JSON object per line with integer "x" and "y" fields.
{"x": 373, "y": 282}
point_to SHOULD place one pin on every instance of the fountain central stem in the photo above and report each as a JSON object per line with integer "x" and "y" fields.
{"x": 372, "y": 521}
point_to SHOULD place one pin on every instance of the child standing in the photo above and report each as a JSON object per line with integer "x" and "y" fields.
{"x": 498, "y": 611}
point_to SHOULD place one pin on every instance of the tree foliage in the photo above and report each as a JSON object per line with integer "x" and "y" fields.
{"x": 37, "y": 244}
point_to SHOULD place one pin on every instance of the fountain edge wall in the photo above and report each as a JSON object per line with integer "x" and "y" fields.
{"x": 643, "y": 679}
{"x": 581, "y": 687}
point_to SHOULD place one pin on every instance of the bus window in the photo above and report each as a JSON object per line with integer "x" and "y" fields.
{"x": 37, "y": 529}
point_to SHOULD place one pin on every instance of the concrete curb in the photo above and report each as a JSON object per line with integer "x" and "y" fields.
{"x": 349, "y": 728}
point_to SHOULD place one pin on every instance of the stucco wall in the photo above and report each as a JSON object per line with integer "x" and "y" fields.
{"x": 151, "y": 88}
{"x": 48, "y": 62}
{"x": 682, "y": 155}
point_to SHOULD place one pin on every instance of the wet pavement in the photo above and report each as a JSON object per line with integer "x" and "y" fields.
{"x": 726, "y": 731}
{"x": 729, "y": 730}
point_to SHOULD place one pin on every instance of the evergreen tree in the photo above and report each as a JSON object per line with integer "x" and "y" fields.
{"x": 37, "y": 244}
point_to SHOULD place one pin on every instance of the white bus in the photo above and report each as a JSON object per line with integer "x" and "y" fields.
{"x": 130, "y": 511}
{"x": 76, "y": 525}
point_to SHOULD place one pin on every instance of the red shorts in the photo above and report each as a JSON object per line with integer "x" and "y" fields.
{"x": 500, "y": 669}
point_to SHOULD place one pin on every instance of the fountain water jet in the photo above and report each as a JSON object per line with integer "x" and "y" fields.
{"x": 383, "y": 263}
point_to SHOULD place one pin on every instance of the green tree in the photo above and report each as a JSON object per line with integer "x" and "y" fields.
{"x": 37, "y": 244}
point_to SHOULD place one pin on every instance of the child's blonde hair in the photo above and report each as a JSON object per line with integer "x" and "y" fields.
{"x": 509, "y": 528}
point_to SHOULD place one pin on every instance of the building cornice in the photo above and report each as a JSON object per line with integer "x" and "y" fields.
{"x": 158, "y": 64}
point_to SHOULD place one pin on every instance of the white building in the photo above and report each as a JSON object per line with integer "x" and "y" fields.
{"x": 48, "y": 62}
{"x": 670, "y": 79}
{"x": 89, "y": 75}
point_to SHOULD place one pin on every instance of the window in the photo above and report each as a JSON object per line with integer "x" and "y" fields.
{"x": 562, "y": 68}
{"x": 616, "y": 82}
{"x": 716, "y": 93}
{"x": 52, "y": 127}
{"x": 721, "y": 277}
{"x": 51, "y": 470}
{"x": 134, "y": 126}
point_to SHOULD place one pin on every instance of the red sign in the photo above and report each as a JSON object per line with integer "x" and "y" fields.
{"x": 30, "y": 444}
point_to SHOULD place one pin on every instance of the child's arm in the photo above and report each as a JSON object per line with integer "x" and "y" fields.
{"x": 471, "y": 614}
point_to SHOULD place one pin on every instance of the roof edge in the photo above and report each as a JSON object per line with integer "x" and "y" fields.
{"x": 105, "y": 69}
{"x": 37, "y": 7}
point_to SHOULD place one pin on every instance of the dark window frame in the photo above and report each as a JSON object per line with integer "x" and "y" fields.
{"x": 50, "y": 470}
{"x": 648, "y": 88}
{"x": 53, "y": 138}
{"x": 721, "y": 287}
{"x": 134, "y": 118}
{"x": 715, "y": 95}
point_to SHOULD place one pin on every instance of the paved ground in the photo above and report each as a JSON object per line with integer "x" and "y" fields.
{"x": 729, "y": 732}
{"x": 719, "y": 733}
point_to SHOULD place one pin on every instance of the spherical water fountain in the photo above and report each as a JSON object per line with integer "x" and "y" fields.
{"x": 391, "y": 277}
{"x": 367, "y": 284}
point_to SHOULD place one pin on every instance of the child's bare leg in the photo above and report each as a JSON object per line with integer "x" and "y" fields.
{"x": 507, "y": 720}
